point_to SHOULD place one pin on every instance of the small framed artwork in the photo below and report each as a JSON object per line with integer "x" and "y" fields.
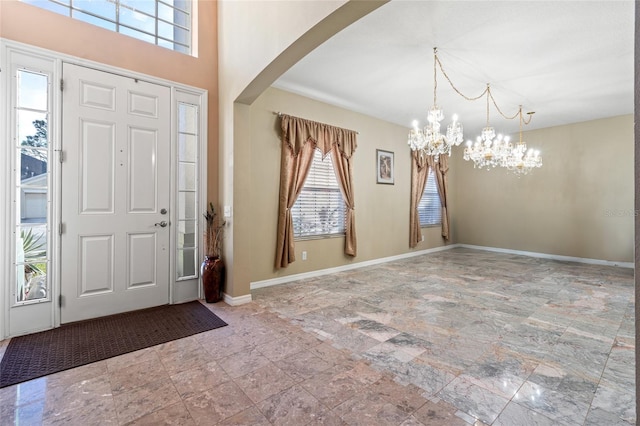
{"x": 384, "y": 167}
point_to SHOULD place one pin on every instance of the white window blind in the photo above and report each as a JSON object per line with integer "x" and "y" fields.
{"x": 429, "y": 209}
{"x": 319, "y": 210}
{"x": 166, "y": 23}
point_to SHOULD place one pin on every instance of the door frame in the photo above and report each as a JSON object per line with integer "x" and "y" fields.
{"x": 49, "y": 311}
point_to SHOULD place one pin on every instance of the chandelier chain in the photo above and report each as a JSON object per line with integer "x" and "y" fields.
{"x": 490, "y": 149}
{"x": 435, "y": 76}
{"x": 453, "y": 86}
{"x": 486, "y": 91}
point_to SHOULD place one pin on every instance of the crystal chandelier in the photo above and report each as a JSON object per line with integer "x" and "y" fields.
{"x": 489, "y": 150}
{"x": 520, "y": 160}
{"x": 429, "y": 140}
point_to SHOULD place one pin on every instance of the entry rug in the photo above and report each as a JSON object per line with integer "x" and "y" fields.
{"x": 79, "y": 343}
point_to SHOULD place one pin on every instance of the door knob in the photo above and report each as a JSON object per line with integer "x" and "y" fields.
{"x": 161, "y": 224}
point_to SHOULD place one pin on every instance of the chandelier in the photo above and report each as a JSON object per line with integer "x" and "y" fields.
{"x": 429, "y": 140}
{"x": 520, "y": 160}
{"x": 489, "y": 150}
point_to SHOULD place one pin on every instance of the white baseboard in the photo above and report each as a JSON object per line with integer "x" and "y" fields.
{"x": 236, "y": 301}
{"x": 551, "y": 256}
{"x": 306, "y": 275}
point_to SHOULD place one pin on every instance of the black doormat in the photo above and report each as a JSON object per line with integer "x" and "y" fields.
{"x": 79, "y": 343}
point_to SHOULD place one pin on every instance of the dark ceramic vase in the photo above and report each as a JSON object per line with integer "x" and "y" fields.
{"x": 212, "y": 271}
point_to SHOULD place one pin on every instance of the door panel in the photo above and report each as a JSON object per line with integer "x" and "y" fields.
{"x": 142, "y": 170}
{"x": 97, "y": 174}
{"x": 115, "y": 181}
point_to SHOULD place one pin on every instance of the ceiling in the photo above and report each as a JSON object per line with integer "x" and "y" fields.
{"x": 569, "y": 61}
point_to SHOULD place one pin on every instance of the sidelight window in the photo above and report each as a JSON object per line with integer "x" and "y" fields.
{"x": 187, "y": 226}
{"x": 32, "y": 185}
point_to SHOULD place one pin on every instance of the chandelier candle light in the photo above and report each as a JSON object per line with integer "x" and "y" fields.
{"x": 429, "y": 140}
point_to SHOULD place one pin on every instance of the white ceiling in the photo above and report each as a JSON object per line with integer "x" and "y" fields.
{"x": 569, "y": 61}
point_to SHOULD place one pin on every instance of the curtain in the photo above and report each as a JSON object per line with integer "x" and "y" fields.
{"x": 343, "y": 169}
{"x": 419, "y": 174}
{"x": 440, "y": 170}
{"x": 300, "y": 138}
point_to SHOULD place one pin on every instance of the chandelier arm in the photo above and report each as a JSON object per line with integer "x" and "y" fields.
{"x": 454, "y": 87}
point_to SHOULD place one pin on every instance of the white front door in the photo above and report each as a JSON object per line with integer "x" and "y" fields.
{"x": 115, "y": 194}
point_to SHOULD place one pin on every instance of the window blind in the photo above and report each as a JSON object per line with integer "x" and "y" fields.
{"x": 320, "y": 209}
{"x": 429, "y": 209}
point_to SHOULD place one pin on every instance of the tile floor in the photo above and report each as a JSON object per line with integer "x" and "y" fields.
{"x": 452, "y": 338}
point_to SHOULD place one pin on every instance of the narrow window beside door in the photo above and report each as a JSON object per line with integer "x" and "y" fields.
{"x": 187, "y": 229}
{"x": 32, "y": 177}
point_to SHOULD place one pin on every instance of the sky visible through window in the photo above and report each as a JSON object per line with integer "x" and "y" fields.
{"x": 166, "y": 23}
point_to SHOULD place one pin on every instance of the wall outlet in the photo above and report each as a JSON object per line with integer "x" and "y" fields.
{"x": 304, "y": 255}
{"x": 422, "y": 238}
{"x": 227, "y": 211}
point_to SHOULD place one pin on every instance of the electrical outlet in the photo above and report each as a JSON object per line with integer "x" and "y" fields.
{"x": 423, "y": 238}
{"x": 304, "y": 255}
{"x": 227, "y": 211}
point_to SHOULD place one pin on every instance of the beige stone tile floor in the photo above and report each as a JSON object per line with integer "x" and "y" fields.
{"x": 258, "y": 370}
{"x": 402, "y": 343}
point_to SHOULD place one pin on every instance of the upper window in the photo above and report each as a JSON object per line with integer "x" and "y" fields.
{"x": 166, "y": 23}
{"x": 319, "y": 210}
{"x": 429, "y": 208}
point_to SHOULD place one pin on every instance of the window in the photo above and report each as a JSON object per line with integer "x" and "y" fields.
{"x": 187, "y": 227}
{"x": 31, "y": 196}
{"x": 166, "y": 23}
{"x": 429, "y": 209}
{"x": 320, "y": 209}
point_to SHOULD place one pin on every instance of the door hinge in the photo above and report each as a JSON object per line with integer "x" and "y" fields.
{"x": 60, "y": 301}
{"x": 61, "y": 156}
{"x": 60, "y": 228}
{"x": 61, "y": 85}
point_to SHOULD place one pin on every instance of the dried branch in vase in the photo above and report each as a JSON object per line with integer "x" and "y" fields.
{"x": 213, "y": 233}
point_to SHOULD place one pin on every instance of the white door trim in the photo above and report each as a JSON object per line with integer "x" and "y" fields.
{"x": 56, "y": 120}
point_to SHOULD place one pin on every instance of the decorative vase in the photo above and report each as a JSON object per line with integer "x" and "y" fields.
{"x": 212, "y": 272}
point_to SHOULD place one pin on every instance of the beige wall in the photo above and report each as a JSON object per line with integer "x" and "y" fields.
{"x": 580, "y": 203}
{"x": 258, "y": 41}
{"x": 382, "y": 211}
{"x": 38, "y": 27}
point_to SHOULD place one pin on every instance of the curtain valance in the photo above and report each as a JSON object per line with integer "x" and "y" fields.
{"x": 297, "y": 131}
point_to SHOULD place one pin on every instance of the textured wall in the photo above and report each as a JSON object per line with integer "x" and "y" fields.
{"x": 580, "y": 203}
{"x": 38, "y": 27}
{"x": 382, "y": 211}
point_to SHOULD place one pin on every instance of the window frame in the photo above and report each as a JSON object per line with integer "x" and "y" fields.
{"x": 319, "y": 189}
{"x": 71, "y": 9}
{"x": 432, "y": 192}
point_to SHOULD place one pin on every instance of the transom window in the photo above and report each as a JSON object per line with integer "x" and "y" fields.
{"x": 166, "y": 23}
{"x": 319, "y": 211}
{"x": 429, "y": 209}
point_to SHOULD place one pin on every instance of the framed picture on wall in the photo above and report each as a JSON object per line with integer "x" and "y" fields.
{"x": 384, "y": 167}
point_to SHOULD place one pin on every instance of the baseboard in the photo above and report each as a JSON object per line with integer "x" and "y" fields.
{"x": 312, "y": 274}
{"x": 551, "y": 256}
{"x": 236, "y": 301}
